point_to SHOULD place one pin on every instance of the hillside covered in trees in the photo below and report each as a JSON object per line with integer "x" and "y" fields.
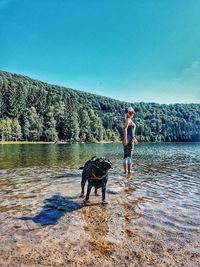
{"x": 32, "y": 110}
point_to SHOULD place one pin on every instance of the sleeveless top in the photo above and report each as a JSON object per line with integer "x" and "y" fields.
{"x": 131, "y": 132}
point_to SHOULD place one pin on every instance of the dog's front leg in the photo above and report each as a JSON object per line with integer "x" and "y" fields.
{"x": 103, "y": 190}
{"x": 88, "y": 193}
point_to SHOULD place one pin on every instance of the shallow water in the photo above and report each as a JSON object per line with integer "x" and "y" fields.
{"x": 40, "y": 185}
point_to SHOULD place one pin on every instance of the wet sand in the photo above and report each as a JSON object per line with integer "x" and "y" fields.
{"x": 45, "y": 224}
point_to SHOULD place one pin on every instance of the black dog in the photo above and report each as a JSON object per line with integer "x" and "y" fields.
{"x": 95, "y": 171}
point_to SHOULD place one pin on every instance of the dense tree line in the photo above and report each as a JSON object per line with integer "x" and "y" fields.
{"x": 32, "y": 110}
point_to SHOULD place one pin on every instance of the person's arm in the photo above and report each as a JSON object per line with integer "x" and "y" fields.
{"x": 135, "y": 141}
{"x": 125, "y": 131}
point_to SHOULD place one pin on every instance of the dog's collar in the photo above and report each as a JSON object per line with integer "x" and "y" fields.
{"x": 94, "y": 175}
{"x": 97, "y": 178}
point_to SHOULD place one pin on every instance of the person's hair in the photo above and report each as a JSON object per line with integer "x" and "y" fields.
{"x": 127, "y": 111}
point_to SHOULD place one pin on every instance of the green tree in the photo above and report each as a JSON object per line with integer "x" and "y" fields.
{"x": 26, "y": 130}
{"x": 73, "y": 127}
{"x": 2, "y": 129}
{"x": 84, "y": 122}
{"x": 21, "y": 95}
{"x": 72, "y": 121}
{"x": 96, "y": 127}
{"x": 36, "y": 125}
{"x": 16, "y": 130}
{"x": 50, "y": 125}
{"x": 8, "y": 129}
{"x": 60, "y": 116}
{"x": 2, "y": 107}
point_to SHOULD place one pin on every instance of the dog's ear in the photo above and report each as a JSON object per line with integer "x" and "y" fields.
{"x": 110, "y": 163}
{"x": 106, "y": 165}
{"x": 81, "y": 168}
{"x": 111, "y": 167}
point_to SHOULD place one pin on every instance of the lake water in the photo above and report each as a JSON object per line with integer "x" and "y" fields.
{"x": 165, "y": 186}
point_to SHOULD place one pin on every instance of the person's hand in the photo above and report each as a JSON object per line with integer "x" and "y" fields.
{"x": 125, "y": 142}
{"x": 135, "y": 141}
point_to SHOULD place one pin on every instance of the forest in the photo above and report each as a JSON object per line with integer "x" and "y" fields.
{"x": 31, "y": 110}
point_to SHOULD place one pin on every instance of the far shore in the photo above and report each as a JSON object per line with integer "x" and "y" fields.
{"x": 65, "y": 142}
{"x": 24, "y": 142}
{"x": 58, "y": 142}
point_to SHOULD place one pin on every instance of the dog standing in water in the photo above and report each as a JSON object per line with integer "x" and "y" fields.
{"x": 95, "y": 171}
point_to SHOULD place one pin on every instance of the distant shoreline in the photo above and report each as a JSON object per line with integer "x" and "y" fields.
{"x": 24, "y": 142}
{"x": 43, "y": 142}
{"x": 60, "y": 142}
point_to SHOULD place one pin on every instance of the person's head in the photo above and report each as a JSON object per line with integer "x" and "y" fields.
{"x": 130, "y": 112}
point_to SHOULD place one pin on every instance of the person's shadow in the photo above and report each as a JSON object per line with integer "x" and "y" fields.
{"x": 54, "y": 208}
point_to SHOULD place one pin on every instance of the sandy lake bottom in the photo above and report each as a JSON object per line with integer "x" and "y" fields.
{"x": 152, "y": 219}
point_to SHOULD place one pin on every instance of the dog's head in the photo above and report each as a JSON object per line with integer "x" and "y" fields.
{"x": 102, "y": 163}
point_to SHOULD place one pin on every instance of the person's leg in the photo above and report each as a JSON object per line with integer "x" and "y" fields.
{"x": 125, "y": 159}
{"x": 129, "y": 159}
{"x": 129, "y": 168}
{"x": 129, "y": 164}
{"x": 125, "y": 167}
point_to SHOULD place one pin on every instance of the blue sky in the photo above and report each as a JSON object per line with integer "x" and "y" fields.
{"x": 131, "y": 50}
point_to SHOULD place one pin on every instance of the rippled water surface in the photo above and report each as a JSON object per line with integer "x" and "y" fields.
{"x": 165, "y": 182}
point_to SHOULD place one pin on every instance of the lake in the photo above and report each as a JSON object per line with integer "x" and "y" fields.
{"x": 153, "y": 215}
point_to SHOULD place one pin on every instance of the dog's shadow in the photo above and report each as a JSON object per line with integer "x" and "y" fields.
{"x": 54, "y": 208}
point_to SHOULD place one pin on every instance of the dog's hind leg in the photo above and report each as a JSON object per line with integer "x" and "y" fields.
{"x": 103, "y": 190}
{"x": 82, "y": 187}
{"x": 95, "y": 191}
{"x": 83, "y": 181}
{"x": 88, "y": 193}
{"x": 85, "y": 175}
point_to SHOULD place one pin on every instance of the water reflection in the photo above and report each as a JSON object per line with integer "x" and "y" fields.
{"x": 53, "y": 155}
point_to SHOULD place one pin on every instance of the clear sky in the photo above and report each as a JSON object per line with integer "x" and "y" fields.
{"x": 131, "y": 50}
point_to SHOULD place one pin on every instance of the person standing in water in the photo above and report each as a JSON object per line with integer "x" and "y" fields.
{"x": 129, "y": 139}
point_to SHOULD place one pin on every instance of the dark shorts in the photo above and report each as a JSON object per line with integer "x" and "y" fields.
{"x": 128, "y": 150}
